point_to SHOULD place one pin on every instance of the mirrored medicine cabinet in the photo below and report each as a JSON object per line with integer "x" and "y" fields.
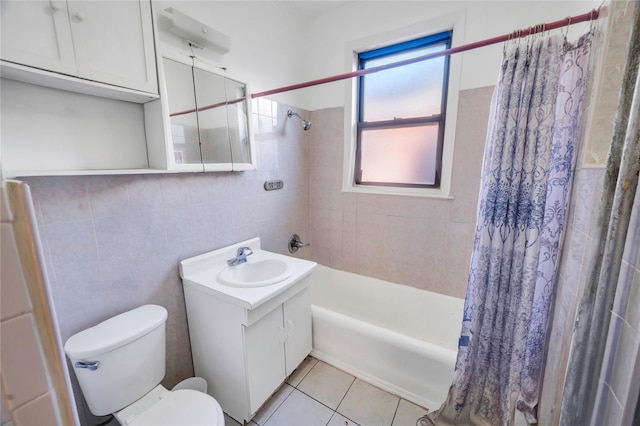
{"x": 208, "y": 117}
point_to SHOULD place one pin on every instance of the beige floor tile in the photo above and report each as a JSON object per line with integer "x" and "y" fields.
{"x": 299, "y": 409}
{"x": 300, "y": 372}
{"x": 369, "y": 405}
{"x": 408, "y": 413}
{"x": 326, "y": 384}
{"x": 340, "y": 420}
{"x": 272, "y": 404}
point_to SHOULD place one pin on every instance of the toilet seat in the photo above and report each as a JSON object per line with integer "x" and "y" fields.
{"x": 179, "y": 407}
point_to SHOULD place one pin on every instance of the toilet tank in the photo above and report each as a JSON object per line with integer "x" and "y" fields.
{"x": 129, "y": 353}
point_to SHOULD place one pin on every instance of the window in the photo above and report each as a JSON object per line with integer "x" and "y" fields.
{"x": 401, "y": 115}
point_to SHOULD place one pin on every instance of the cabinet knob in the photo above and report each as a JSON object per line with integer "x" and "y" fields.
{"x": 54, "y": 6}
{"x": 79, "y": 16}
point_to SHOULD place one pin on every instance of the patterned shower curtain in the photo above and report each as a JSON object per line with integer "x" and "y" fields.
{"x": 526, "y": 179}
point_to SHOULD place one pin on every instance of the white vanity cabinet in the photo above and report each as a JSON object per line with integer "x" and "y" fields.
{"x": 245, "y": 355}
{"x": 246, "y": 341}
{"x": 100, "y": 41}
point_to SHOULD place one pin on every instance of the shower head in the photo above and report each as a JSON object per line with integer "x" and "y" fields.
{"x": 306, "y": 125}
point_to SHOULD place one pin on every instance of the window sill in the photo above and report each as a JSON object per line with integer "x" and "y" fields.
{"x": 406, "y": 192}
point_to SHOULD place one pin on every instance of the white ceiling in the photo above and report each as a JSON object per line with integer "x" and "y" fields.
{"x": 311, "y": 9}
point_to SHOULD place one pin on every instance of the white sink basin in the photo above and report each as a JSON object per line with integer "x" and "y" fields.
{"x": 264, "y": 276}
{"x": 258, "y": 273}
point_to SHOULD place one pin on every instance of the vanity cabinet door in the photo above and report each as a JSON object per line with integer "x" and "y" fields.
{"x": 264, "y": 348}
{"x": 37, "y": 33}
{"x": 297, "y": 326}
{"x": 114, "y": 43}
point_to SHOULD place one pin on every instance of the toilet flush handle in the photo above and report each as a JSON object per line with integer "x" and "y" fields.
{"x": 91, "y": 366}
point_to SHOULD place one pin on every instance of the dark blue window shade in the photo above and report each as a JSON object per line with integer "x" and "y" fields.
{"x": 405, "y": 46}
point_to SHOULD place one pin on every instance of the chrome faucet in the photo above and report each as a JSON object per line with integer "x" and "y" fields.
{"x": 241, "y": 256}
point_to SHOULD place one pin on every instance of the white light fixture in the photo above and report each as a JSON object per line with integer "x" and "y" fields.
{"x": 186, "y": 27}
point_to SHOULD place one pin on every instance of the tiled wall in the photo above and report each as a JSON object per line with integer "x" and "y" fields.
{"x": 34, "y": 386}
{"x": 113, "y": 243}
{"x": 421, "y": 242}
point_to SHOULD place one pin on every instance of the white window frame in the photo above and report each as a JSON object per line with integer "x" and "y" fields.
{"x": 454, "y": 22}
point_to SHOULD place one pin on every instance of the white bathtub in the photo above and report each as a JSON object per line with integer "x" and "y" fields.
{"x": 399, "y": 338}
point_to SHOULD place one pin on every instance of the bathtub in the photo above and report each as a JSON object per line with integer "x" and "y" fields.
{"x": 398, "y": 338}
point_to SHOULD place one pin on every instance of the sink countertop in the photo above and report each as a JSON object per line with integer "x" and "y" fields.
{"x": 201, "y": 271}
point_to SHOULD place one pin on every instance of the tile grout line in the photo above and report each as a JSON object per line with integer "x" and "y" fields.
{"x": 277, "y": 408}
{"x": 290, "y": 393}
{"x": 343, "y": 397}
{"x": 335, "y": 411}
{"x": 304, "y": 377}
{"x": 395, "y": 412}
{"x": 345, "y": 394}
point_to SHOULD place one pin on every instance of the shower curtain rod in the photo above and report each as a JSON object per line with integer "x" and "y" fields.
{"x": 589, "y": 16}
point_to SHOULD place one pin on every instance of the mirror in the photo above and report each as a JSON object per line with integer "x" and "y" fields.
{"x": 238, "y": 120}
{"x": 209, "y": 115}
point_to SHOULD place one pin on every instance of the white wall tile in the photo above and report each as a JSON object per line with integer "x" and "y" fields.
{"x": 13, "y": 298}
{"x": 387, "y": 227}
{"x": 39, "y": 412}
{"x": 622, "y": 381}
{"x": 23, "y": 371}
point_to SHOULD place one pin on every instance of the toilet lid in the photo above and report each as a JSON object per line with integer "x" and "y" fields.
{"x": 182, "y": 407}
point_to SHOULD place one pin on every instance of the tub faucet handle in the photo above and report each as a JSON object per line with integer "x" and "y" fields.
{"x": 295, "y": 243}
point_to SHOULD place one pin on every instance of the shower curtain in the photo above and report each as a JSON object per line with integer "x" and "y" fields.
{"x": 602, "y": 351}
{"x": 528, "y": 165}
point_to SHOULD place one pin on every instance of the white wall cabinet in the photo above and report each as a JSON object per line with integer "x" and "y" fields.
{"x": 81, "y": 96}
{"x": 246, "y": 354}
{"x": 105, "y": 42}
{"x": 37, "y": 33}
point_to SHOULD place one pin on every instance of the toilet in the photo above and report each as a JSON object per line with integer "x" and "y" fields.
{"x": 120, "y": 364}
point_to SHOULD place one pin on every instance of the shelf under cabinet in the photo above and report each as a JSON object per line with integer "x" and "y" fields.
{"x": 39, "y": 77}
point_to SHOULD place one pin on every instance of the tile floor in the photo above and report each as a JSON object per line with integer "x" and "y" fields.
{"x": 320, "y": 394}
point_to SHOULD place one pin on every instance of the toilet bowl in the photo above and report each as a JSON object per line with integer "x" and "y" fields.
{"x": 120, "y": 363}
{"x": 176, "y": 407}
